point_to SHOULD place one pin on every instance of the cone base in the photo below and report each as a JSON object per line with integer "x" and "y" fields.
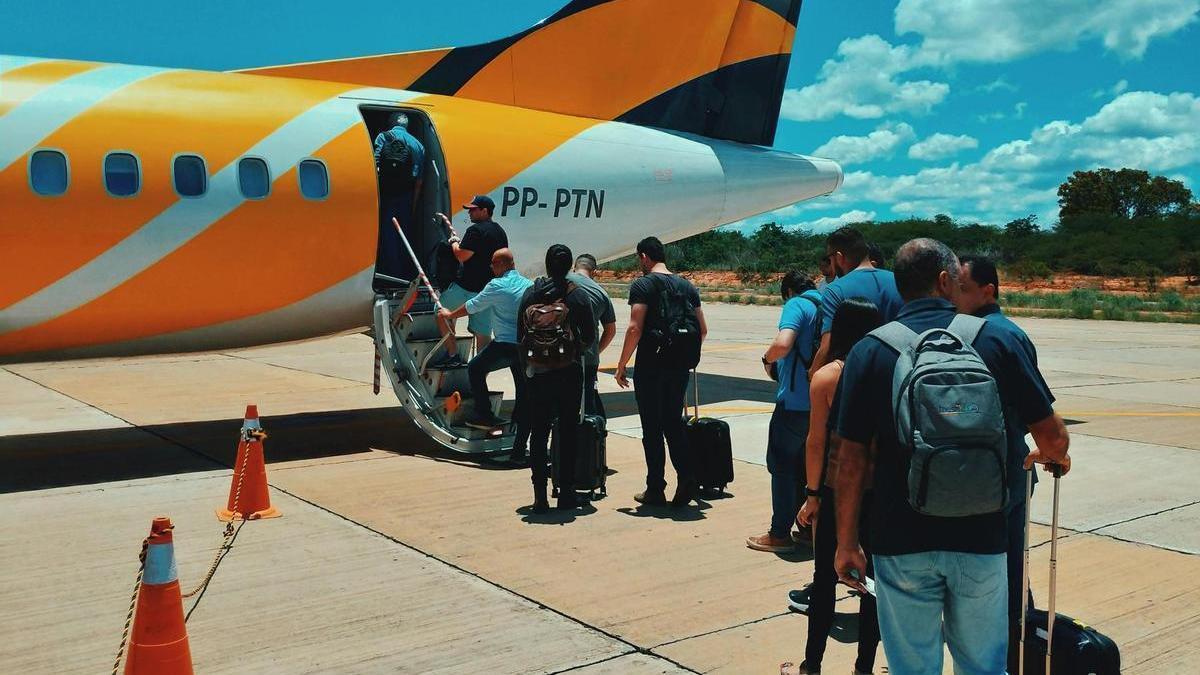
{"x": 225, "y": 515}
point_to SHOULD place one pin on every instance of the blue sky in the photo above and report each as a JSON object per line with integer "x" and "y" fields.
{"x": 973, "y": 108}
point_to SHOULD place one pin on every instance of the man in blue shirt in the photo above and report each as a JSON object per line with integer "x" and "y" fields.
{"x": 787, "y": 359}
{"x": 980, "y": 296}
{"x": 399, "y": 162}
{"x": 936, "y": 578}
{"x": 847, "y": 250}
{"x": 502, "y": 297}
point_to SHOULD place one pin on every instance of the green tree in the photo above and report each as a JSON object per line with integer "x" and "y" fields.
{"x": 1124, "y": 193}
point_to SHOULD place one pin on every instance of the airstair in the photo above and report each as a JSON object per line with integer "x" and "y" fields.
{"x": 407, "y": 341}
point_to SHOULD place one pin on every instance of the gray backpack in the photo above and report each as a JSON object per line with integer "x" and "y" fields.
{"x": 949, "y": 418}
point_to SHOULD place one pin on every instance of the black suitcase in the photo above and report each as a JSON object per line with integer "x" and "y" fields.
{"x": 711, "y": 447}
{"x": 1076, "y": 648}
{"x": 1079, "y": 649}
{"x": 591, "y": 462}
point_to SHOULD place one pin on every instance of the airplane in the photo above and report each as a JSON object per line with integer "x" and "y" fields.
{"x": 151, "y": 210}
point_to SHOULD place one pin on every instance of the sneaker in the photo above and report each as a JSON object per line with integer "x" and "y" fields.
{"x": 650, "y": 498}
{"x": 766, "y": 542}
{"x": 452, "y": 361}
{"x": 483, "y": 421}
{"x": 799, "y": 601}
{"x": 789, "y": 668}
{"x": 802, "y": 536}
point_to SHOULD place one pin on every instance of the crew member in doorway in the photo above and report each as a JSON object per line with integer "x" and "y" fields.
{"x": 399, "y": 163}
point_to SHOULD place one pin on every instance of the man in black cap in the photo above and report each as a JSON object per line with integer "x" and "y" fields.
{"x": 474, "y": 250}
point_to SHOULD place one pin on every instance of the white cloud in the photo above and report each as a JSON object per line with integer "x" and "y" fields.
{"x": 1147, "y": 130}
{"x": 862, "y": 82}
{"x": 1003, "y": 30}
{"x": 996, "y": 85}
{"x": 882, "y": 142}
{"x": 940, "y": 146}
{"x": 1116, "y": 90}
{"x": 830, "y": 223}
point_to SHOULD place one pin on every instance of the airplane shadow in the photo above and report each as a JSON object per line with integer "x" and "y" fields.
{"x": 87, "y": 457}
{"x": 73, "y": 458}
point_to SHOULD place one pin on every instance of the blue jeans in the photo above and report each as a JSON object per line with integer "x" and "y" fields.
{"x": 785, "y": 462}
{"x": 925, "y": 598}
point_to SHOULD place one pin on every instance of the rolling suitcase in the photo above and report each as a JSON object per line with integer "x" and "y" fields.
{"x": 1075, "y": 648}
{"x": 711, "y": 447}
{"x": 591, "y": 461}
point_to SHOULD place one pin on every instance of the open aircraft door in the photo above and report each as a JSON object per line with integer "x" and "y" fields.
{"x": 405, "y": 327}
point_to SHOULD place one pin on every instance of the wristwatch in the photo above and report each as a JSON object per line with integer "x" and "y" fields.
{"x": 809, "y": 492}
{"x": 453, "y": 240}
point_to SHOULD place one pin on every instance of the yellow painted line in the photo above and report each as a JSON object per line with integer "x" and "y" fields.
{"x": 733, "y": 409}
{"x": 707, "y": 350}
{"x": 1113, "y": 413}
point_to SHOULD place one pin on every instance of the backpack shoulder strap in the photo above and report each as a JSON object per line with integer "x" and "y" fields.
{"x": 966, "y": 327}
{"x": 895, "y": 335}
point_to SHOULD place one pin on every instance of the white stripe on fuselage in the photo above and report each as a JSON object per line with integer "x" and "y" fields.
{"x": 652, "y": 182}
{"x": 187, "y": 218}
{"x": 23, "y": 127}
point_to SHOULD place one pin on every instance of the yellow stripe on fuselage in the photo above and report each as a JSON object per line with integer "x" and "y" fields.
{"x": 19, "y": 84}
{"x": 210, "y": 114}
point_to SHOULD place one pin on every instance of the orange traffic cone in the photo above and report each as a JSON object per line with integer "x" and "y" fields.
{"x": 159, "y": 641}
{"x": 248, "y": 492}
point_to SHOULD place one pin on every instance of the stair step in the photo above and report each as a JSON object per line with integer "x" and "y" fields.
{"x": 419, "y": 348}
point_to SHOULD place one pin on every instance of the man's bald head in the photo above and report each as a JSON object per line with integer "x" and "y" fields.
{"x": 503, "y": 261}
{"x": 926, "y": 268}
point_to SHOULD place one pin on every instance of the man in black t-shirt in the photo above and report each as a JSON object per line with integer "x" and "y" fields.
{"x": 659, "y": 387}
{"x": 936, "y": 578}
{"x": 474, "y": 250}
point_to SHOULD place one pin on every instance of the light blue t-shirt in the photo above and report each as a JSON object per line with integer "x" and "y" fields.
{"x": 878, "y": 286}
{"x": 502, "y": 296}
{"x": 801, "y": 315}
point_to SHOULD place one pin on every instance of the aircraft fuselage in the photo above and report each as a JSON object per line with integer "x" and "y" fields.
{"x": 97, "y": 270}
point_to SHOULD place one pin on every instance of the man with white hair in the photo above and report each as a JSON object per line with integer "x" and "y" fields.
{"x": 399, "y": 163}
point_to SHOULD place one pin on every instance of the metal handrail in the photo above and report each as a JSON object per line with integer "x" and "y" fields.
{"x": 437, "y": 298}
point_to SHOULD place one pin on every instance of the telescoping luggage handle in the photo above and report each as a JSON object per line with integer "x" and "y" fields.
{"x": 696, "y": 393}
{"x": 1055, "y": 471}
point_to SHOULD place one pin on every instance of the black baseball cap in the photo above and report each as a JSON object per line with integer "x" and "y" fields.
{"x": 481, "y": 201}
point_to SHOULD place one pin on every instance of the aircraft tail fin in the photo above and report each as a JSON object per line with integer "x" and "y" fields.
{"x": 710, "y": 67}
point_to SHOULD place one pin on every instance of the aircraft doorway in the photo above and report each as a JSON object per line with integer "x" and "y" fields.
{"x": 413, "y": 200}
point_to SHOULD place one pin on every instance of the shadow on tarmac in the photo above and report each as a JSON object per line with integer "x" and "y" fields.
{"x": 87, "y": 457}
{"x": 72, "y": 458}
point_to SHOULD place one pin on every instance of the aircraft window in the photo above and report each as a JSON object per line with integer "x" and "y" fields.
{"x": 48, "y": 172}
{"x": 121, "y": 175}
{"x": 254, "y": 178}
{"x": 191, "y": 178}
{"x": 314, "y": 179}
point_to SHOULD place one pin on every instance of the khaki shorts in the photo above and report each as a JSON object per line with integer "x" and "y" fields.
{"x": 456, "y": 296}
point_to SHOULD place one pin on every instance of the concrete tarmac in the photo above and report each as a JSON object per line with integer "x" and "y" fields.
{"x": 394, "y": 556}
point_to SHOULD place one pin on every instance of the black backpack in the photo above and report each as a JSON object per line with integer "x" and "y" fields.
{"x": 395, "y": 163}
{"x": 443, "y": 266}
{"x": 675, "y": 328}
